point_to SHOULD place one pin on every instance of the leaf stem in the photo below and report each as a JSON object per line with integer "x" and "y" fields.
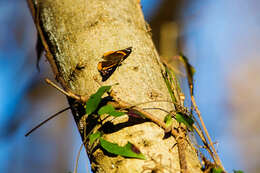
{"x": 206, "y": 131}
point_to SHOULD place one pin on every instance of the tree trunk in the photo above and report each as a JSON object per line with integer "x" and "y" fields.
{"x": 75, "y": 35}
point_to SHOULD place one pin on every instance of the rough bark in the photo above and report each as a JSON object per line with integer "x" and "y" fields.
{"x": 78, "y": 33}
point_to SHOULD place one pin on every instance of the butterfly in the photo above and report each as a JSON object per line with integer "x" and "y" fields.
{"x": 112, "y": 60}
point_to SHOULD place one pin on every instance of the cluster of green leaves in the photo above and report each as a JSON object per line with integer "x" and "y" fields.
{"x": 129, "y": 150}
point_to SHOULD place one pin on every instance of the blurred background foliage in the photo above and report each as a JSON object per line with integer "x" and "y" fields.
{"x": 221, "y": 39}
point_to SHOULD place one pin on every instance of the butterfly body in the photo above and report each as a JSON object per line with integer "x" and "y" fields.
{"x": 112, "y": 60}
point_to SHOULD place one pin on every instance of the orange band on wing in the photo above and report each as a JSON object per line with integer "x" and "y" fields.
{"x": 121, "y": 52}
{"x": 99, "y": 66}
{"x": 113, "y": 59}
{"x": 107, "y": 67}
{"x": 108, "y": 53}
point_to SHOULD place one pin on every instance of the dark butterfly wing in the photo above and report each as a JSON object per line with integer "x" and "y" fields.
{"x": 112, "y": 60}
{"x": 117, "y": 56}
{"x": 106, "y": 69}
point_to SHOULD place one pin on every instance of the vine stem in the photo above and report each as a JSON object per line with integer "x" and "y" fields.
{"x": 206, "y": 131}
{"x": 205, "y": 143}
{"x": 124, "y": 104}
{"x": 51, "y": 117}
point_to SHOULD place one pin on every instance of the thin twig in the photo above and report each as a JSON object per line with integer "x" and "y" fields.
{"x": 81, "y": 146}
{"x": 205, "y": 143}
{"x": 161, "y": 109}
{"x": 206, "y": 131}
{"x": 152, "y": 118}
{"x": 149, "y": 116}
{"x": 77, "y": 159}
{"x": 43, "y": 122}
{"x": 48, "y": 81}
{"x": 202, "y": 137}
{"x": 82, "y": 99}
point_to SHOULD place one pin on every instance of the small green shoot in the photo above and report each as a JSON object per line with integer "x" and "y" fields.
{"x": 95, "y": 99}
{"x": 186, "y": 120}
{"x": 168, "y": 120}
{"x": 168, "y": 84}
{"x": 110, "y": 110}
{"x": 175, "y": 80}
{"x": 217, "y": 170}
{"x": 94, "y": 136}
{"x": 129, "y": 150}
{"x": 238, "y": 171}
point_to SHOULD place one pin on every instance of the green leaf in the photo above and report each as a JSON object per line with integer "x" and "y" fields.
{"x": 188, "y": 121}
{"x": 129, "y": 150}
{"x": 238, "y": 171}
{"x": 105, "y": 109}
{"x": 168, "y": 120}
{"x": 95, "y": 99}
{"x": 116, "y": 113}
{"x": 94, "y": 136}
{"x": 217, "y": 170}
{"x": 168, "y": 83}
{"x": 110, "y": 110}
{"x": 102, "y": 90}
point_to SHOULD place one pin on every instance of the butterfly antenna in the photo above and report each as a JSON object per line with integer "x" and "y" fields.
{"x": 43, "y": 122}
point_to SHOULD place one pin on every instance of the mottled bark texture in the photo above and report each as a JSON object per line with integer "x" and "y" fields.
{"x": 78, "y": 33}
